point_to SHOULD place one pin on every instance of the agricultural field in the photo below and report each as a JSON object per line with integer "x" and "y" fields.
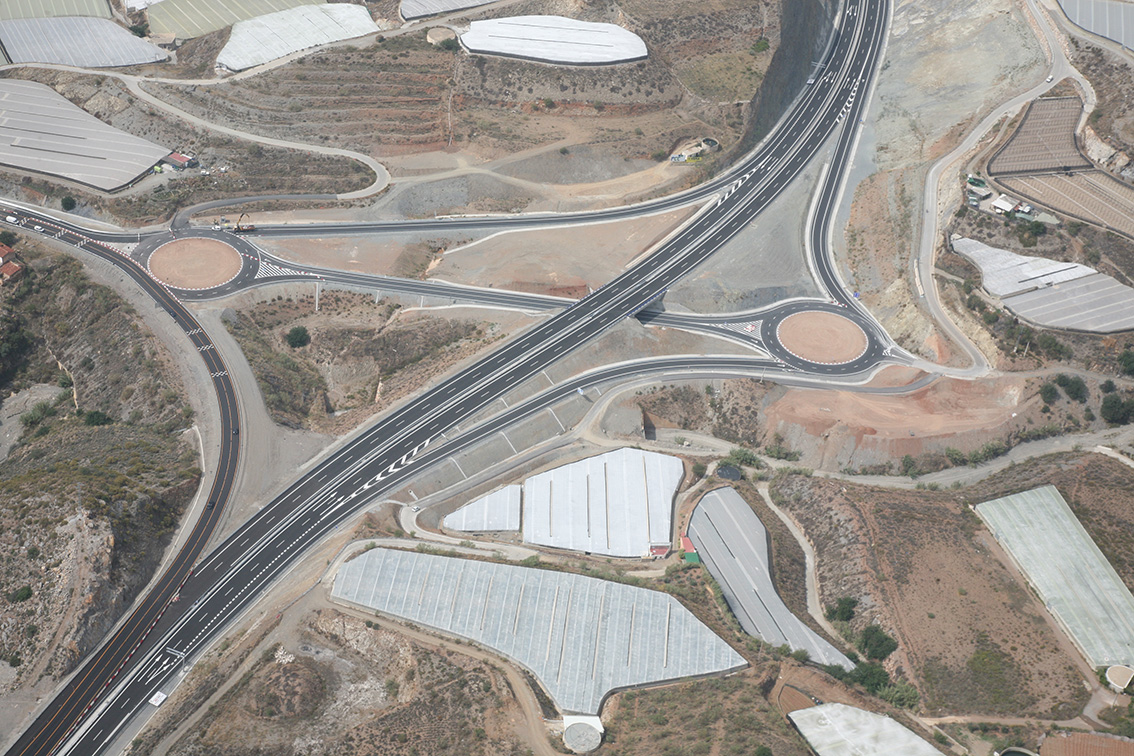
{"x": 972, "y": 637}
{"x": 251, "y": 168}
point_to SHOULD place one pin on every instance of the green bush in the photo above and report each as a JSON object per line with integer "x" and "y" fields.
{"x": 778, "y": 450}
{"x": 900, "y": 694}
{"x": 298, "y": 337}
{"x": 37, "y": 414}
{"x": 875, "y": 643}
{"x": 871, "y": 676}
{"x": 1116, "y": 410}
{"x": 68, "y": 203}
{"x": 842, "y": 610}
{"x": 97, "y": 417}
{"x": 1126, "y": 361}
{"x": 451, "y": 44}
{"x": 8, "y": 238}
{"x": 1049, "y": 393}
{"x": 1107, "y": 386}
{"x": 699, "y": 469}
{"x": 991, "y": 450}
{"x": 741, "y": 457}
{"x": 1053, "y": 347}
{"x": 956, "y": 457}
{"x": 20, "y": 594}
{"x": 1073, "y": 386}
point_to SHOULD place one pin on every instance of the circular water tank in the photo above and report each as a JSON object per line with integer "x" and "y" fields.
{"x": 581, "y": 737}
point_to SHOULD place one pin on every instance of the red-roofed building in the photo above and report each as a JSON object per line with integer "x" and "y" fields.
{"x": 6, "y": 253}
{"x": 179, "y": 161}
{"x": 11, "y": 272}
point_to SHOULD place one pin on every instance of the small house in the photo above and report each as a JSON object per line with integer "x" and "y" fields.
{"x": 179, "y": 161}
{"x": 1003, "y": 204}
{"x": 10, "y": 272}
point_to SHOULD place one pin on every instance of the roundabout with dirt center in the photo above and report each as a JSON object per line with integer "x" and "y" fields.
{"x": 195, "y": 263}
{"x": 824, "y": 338}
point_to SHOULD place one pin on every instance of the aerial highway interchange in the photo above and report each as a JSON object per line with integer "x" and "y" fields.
{"x": 217, "y": 586}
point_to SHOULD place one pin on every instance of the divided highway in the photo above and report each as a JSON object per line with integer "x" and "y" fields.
{"x": 381, "y": 459}
{"x": 100, "y": 670}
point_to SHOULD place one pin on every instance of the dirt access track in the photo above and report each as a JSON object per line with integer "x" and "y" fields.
{"x": 195, "y": 263}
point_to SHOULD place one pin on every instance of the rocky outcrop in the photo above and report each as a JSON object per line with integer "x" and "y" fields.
{"x": 806, "y": 27}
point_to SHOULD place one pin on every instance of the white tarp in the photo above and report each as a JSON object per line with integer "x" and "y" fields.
{"x": 498, "y": 511}
{"x": 554, "y": 39}
{"x": 275, "y": 35}
{"x": 79, "y": 41}
{"x": 618, "y": 504}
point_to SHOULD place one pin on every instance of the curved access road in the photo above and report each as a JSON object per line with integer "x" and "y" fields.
{"x": 101, "y": 668}
{"x": 1058, "y": 69}
{"x": 385, "y": 456}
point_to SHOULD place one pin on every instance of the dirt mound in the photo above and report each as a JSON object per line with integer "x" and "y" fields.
{"x": 195, "y": 263}
{"x": 822, "y": 337}
{"x": 288, "y": 691}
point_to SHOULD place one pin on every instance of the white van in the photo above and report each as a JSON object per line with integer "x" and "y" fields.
{"x": 12, "y": 219}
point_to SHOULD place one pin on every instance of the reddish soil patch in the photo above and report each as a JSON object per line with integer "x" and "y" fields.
{"x": 822, "y": 337}
{"x": 1084, "y": 744}
{"x": 195, "y": 263}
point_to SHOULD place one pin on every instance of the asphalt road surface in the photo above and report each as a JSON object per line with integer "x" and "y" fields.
{"x": 385, "y": 456}
{"x": 101, "y": 669}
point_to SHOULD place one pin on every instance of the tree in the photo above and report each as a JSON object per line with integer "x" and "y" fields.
{"x": 1116, "y": 410}
{"x": 875, "y": 643}
{"x": 842, "y": 610}
{"x": 298, "y": 337}
{"x": 1107, "y": 386}
{"x": 1073, "y": 386}
{"x": 69, "y": 203}
{"x": 1126, "y": 361}
{"x": 1049, "y": 393}
{"x": 451, "y": 44}
{"x": 871, "y": 676}
{"x": 8, "y": 238}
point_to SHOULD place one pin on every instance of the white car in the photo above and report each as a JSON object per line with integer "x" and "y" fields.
{"x": 12, "y": 219}
{"x": 37, "y": 228}
{"x": 1050, "y": 79}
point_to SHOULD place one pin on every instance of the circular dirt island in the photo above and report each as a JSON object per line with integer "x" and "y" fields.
{"x": 195, "y": 263}
{"x": 822, "y": 337}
